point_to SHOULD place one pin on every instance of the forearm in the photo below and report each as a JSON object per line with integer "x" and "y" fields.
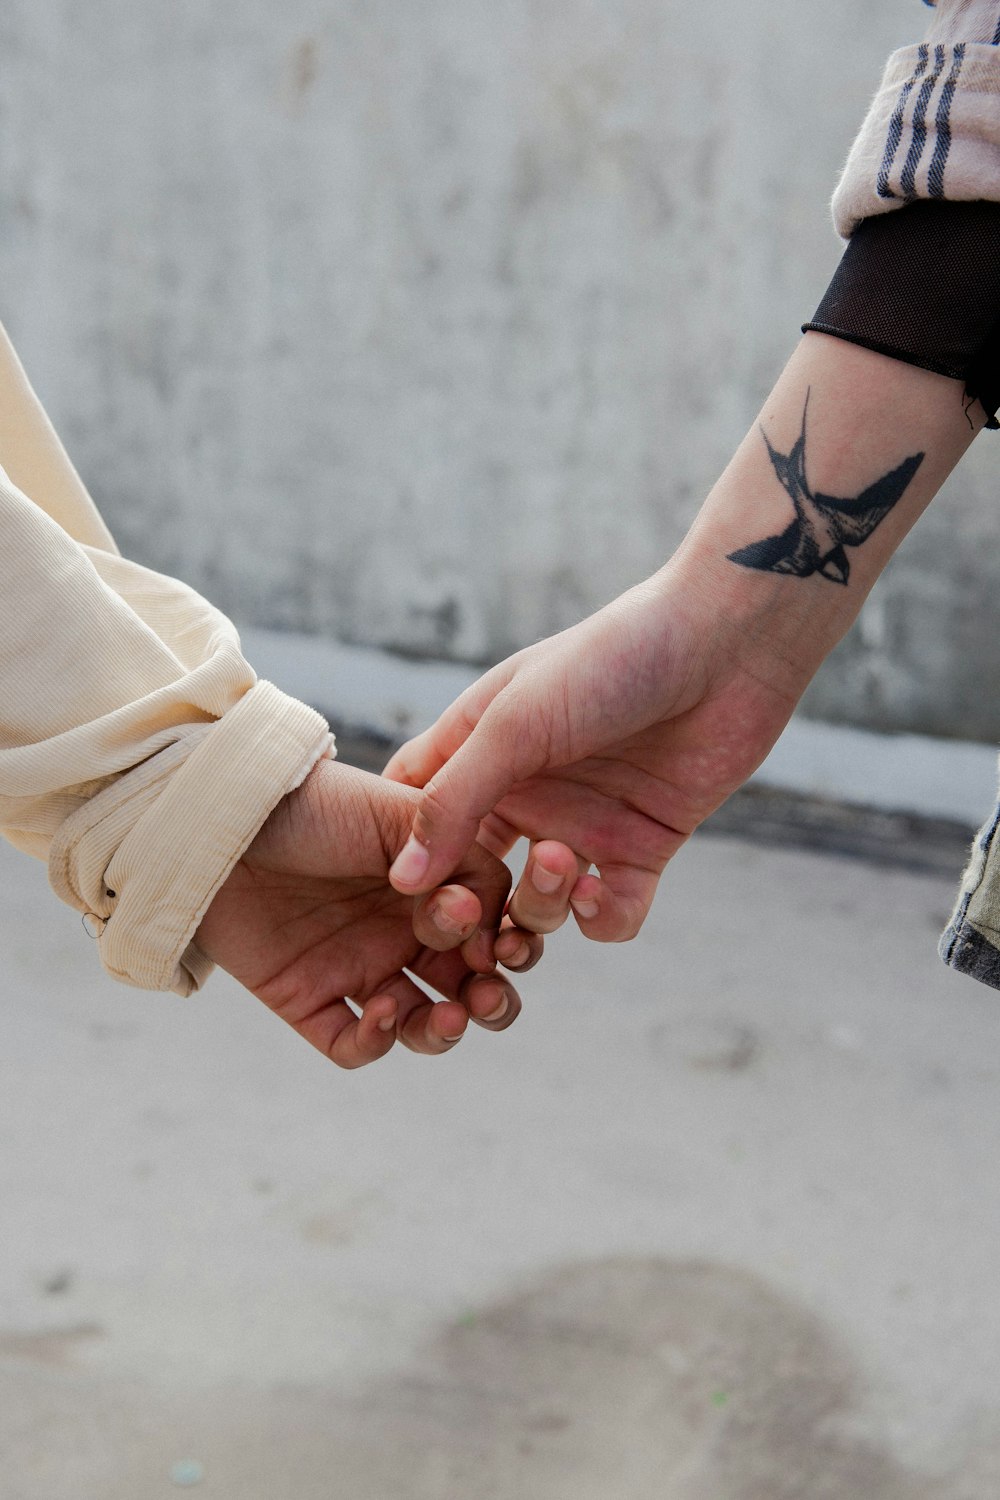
{"x": 779, "y": 609}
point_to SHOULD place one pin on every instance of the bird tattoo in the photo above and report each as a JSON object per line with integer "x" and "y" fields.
{"x": 824, "y": 525}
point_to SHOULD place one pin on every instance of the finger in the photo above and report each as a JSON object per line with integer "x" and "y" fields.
{"x": 541, "y": 901}
{"x": 414, "y": 763}
{"x": 481, "y": 996}
{"x": 421, "y": 1024}
{"x": 420, "y": 758}
{"x": 613, "y": 908}
{"x": 376, "y": 1028}
{"x": 491, "y": 882}
{"x": 455, "y": 916}
{"x": 497, "y": 835}
{"x": 447, "y": 917}
{"x": 462, "y": 792}
{"x": 518, "y": 949}
{"x": 348, "y": 1040}
{"x": 478, "y": 950}
{"x": 446, "y": 974}
{"x": 492, "y": 1003}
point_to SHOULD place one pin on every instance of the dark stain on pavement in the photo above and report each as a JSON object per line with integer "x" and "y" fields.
{"x": 50, "y": 1346}
{"x": 642, "y": 1379}
{"x": 712, "y": 1044}
{"x": 304, "y": 66}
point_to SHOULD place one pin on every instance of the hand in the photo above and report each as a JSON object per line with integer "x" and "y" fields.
{"x": 619, "y": 736}
{"x": 307, "y": 918}
{"x": 615, "y": 739}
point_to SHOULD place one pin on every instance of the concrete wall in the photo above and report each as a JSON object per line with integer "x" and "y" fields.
{"x": 428, "y": 323}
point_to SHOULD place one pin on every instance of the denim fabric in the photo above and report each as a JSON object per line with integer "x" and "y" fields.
{"x": 971, "y": 941}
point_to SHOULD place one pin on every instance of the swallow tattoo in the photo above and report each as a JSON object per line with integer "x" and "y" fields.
{"x": 824, "y": 525}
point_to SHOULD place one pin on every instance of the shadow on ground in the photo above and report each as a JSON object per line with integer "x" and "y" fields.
{"x": 626, "y": 1378}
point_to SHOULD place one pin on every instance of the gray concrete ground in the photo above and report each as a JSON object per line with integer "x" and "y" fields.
{"x": 717, "y": 1220}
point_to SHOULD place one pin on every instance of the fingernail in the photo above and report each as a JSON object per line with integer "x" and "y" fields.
{"x": 518, "y": 957}
{"x": 501, "y": 1010}
{"x": 411, "y": 863}
{"x": 387, "y": 1023}
{"x": 585, "y": 909}
{"x": 545, "y": 880}
{"x": 447, "y": 923}
{"x": 452, "y": 1039}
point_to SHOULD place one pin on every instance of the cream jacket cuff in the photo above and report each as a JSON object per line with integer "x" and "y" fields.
{"x": 144, "y": 857}
{"x": 139, "y": 754}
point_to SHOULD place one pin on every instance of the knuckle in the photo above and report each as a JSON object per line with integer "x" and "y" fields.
{"x": 631, "y": 927}
{"x": 433, "y": 803}
{"x": 349, "y": 1062}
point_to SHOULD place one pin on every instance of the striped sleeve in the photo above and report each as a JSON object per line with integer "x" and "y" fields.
{"x": 933, "y": 129}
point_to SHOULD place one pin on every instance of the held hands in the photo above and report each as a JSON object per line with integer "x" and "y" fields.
{"x": 307, "y": 918}
{"x": 606, "y": 745}
{"x": 615, "y": 738}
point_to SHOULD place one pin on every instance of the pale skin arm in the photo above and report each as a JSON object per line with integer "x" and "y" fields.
{"x": 612, "y": 741}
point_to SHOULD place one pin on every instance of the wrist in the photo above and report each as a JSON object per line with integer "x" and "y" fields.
{"x": 753, "y": 626}
{"x": 848, "y": 450}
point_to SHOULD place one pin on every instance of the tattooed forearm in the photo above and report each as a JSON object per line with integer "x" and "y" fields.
{"x": 824, "y": 525}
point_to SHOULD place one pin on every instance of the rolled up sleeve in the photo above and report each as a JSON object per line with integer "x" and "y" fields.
{"x": 933, "y": 128}
{"x": 139, "y": 754}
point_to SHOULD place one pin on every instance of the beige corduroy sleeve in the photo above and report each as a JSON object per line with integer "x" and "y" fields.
{"x": 933, "y": 129}
{"x": 139, "y": 754}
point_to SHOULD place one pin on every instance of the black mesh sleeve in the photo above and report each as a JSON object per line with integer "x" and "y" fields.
{"x": 922, "y": 284}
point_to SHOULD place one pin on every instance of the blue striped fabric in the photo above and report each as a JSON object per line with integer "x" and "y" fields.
{"x": 928, "y": 81}
{"x": 895, "y": 132}
{"x": 907, "y": 181}
{"x": 942, "y": 145}
{"x": 996, "y": 35}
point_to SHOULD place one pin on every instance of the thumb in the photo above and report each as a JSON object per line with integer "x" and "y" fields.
{"x": 463, "y": 790}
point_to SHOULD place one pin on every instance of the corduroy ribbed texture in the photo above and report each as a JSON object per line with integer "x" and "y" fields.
{"x": 146, "y": 856}
{"x": 138, "y": 752}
